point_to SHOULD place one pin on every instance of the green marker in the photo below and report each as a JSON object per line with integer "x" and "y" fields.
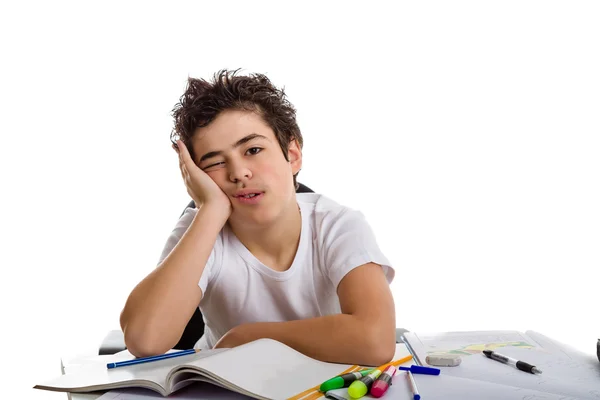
{"x": 342, "y": 380}
{"x": 360, "y": 387}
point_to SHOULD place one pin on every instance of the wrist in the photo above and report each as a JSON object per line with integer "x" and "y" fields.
{"x": 240, "y": 334}
{"x": 209, "y": 212}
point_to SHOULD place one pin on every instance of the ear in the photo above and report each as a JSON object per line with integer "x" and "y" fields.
{"x": 295, "y": 156}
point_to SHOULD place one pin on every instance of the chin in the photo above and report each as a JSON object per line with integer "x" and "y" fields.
{"x": 254, "y": 217}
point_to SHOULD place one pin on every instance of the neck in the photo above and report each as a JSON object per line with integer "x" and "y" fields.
{"x": 275, "y": 245}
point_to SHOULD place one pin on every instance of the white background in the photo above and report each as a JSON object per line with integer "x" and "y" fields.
{"x": 467, "y": 132}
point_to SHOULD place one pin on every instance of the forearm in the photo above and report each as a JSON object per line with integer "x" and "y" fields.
{"x": 340, "y": 338}
{"x": 160, "y": 306}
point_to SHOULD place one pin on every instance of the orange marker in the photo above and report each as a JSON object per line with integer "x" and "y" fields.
{"x": 395, "y": 363}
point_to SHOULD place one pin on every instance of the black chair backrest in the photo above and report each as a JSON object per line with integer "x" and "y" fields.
{"x": 195, "y": 327}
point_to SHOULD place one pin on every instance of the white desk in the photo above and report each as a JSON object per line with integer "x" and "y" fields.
{"x": 447, "y": 386}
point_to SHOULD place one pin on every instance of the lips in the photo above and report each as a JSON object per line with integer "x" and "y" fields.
{"x": 247, "y": 193}
{"x": 249, "y": 196}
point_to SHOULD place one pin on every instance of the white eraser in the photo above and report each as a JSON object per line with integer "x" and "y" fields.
{"x": 443, "y": 360}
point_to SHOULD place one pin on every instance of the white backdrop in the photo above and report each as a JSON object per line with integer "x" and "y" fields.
{"x": 467, "y": 132}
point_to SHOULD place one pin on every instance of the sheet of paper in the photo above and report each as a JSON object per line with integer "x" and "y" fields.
{"x": 560, "y": 375}
{"x": 465, "y": 343}
{"x": 555, "y": 347}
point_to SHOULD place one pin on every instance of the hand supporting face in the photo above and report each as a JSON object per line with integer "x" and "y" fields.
{"x": 202, "y": 189}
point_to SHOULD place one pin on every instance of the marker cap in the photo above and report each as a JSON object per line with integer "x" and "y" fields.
{"x": 379, "y": 388}
{"x": 334, "y": 383}
{"x": 357, "y": 389}
{"x": 417, "y": 369}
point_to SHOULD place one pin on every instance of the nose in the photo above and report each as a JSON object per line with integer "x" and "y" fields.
{"x": 238, "y": 172}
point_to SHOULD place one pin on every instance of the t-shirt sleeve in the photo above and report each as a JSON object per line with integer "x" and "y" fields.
{"x": 349, "y": 243}
{"x": 176, "y": 235}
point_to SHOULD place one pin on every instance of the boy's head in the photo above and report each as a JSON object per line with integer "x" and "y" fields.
{"x": 242, "y": 131}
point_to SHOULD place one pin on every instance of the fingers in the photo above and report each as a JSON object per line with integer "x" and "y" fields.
{"x": 190, "y": 173}
{"x": 184, "y": 155}
{"x": 181, "y": 167}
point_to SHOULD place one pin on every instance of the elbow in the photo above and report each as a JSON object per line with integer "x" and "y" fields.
{"x": 143, "y": 336}
{"x": 382, "y": 354}
{"x": 381, "y": 347}
{"x": 141, "y": 344}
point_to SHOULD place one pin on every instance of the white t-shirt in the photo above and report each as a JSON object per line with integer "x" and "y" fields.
{"x": 237, "y": 288}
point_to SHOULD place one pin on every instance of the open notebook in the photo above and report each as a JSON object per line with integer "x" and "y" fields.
{"x": 566, "y": 373}
{"x": 263, "y": 369}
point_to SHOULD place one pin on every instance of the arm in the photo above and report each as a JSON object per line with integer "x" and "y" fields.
{"x": 160, "y": 306}
{"x": 364, "y": 333}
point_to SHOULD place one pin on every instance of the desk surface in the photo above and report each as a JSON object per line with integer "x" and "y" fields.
{"x": 568, "y": 375}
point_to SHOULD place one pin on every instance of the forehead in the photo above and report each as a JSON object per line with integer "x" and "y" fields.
{"x": 227, "y": 128}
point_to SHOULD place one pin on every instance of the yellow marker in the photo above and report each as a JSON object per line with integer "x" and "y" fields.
{"x": 360, "y": 387}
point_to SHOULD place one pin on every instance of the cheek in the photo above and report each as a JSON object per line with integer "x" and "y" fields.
{"x": 279, "y": 177}
{"x": 218, "y": 176}
{"x": 273, "y": 172}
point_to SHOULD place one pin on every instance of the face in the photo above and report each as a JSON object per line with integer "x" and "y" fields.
{"x": 240, "y": 152}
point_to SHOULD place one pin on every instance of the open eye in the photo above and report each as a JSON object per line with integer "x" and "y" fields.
{"x": 254, "y": 150}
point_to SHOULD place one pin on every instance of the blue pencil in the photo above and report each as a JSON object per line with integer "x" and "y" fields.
{"x": 150, "y": 359}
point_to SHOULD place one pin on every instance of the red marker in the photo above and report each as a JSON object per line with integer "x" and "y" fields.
{"x": 381, "y": 385}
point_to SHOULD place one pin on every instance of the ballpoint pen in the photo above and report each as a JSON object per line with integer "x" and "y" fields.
{"x": 523, "y": 366}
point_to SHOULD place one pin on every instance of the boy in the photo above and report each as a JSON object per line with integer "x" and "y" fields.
{"x": 258, "y": 259}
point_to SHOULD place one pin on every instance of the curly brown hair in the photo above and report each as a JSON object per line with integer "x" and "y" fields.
{"x": 202, "y": 101}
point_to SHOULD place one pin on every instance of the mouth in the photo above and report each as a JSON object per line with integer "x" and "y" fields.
{"x": 250, "y": 198}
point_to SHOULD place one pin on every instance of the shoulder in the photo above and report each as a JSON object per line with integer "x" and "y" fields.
{"x": 321, "y": 206}
{"x": 342, "y": 237}
{"x": 327, "y": 214}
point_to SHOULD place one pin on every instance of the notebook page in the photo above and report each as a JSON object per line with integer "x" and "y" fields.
{"x": 92, "y": 374}
{"x": 269, "y": 369}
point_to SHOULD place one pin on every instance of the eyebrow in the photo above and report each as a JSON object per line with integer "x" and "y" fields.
{"x": 237, "y": 144}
